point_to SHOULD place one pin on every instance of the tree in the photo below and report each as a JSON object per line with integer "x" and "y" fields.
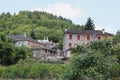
{"x": 96, "y": 62}
{"x": 8, "y": 15}
{"x": 2, "y": 15}
{"x": 32, "y": 34}
{"x": 22, "y": 53}
{"x": 116, "y": 51}
{"x": 60, "y": 46}
{"x": 92, "y": 66}
{"x": 7, "y": 53}
{"x": 89, "y": 24}
{"x": 116, "y": 39}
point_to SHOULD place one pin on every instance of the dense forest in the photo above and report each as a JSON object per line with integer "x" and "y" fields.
{"x": 38, "y": 23}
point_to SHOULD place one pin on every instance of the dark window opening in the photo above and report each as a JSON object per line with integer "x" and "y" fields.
{"x": 70, "y": 36}
{"x": 99, "y": 38}
{"x": 70, "y": 45}
{"x": 88, "y": 38}
{"x": 78, "y": 37}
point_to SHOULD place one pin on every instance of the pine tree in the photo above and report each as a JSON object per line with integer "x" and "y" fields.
{"x": 89, "y": 24}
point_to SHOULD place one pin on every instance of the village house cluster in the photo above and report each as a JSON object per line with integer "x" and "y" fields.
{"x": 45, "y": 49}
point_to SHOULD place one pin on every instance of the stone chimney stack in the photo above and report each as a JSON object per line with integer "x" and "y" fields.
{"x": 44, "y": 38}
{"x": 47, "y": 39}
{"x": 65, "y": 29}
{"x": 103, "y": 31}
{"x": 25, "y": 34}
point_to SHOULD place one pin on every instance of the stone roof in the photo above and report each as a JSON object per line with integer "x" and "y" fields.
{"x": 44, "y": 48}
{"x": 49, "y": 48}
{"x": 97, "y": 32}
{"x": 22, "y": 38}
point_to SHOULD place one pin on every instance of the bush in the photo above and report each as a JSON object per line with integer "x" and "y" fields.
{"x": 31, "y": 70}
{"x": 2, "y": 71}
{"x": 94, "y": 62}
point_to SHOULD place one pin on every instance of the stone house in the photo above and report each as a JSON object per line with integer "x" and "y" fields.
{"x": 47, "y": 53}
{"x": 73, "y": 38}
{"x": 43, "y": 49}
{"x": 23, "y": 40}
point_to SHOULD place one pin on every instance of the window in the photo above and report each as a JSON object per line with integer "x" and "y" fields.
{"x": 99, "y": 38}
{"x": 78, "y": 37}
{"x": 70, "y": 45}
{"x": 88, "y": 38}
{"x": 70, "y": 36}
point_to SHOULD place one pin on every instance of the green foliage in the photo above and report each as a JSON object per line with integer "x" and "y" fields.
{"x": 60, "y": 46}
{"x": 117, "y": 38}
{"x": 96, "y": 61}
{"x": 32, "y": 34}
{"x": 32, "y": 70}
{"x": 22, "y": 53}
{"x": 104, "y": 47}
{"x": 89, "y": 24}
{"x": 9, "y": 54}
{"x": 116, "y": 51}
{"x": 92, "y": 66}
{"x": 2, "y": 70}
{"x": 78, "y": 49}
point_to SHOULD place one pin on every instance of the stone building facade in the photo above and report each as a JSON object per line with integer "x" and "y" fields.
{"x": 43, "y": 49}
{"x": 23, "y": 40}
{"x": 73, "y": 38}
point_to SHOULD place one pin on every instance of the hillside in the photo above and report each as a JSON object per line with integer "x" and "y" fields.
{"x": 36, "y": 24}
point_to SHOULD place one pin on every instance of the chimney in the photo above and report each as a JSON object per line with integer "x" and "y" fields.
{"x": 25, "y": 34}
{"x": 65, "y": 29}
{"x": 103, "y": 31}
{"x": 47, "y": 39}
{"x": 44, "y": 37}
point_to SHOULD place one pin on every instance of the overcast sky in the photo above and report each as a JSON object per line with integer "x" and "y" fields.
{"x": 105, "y": 13}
